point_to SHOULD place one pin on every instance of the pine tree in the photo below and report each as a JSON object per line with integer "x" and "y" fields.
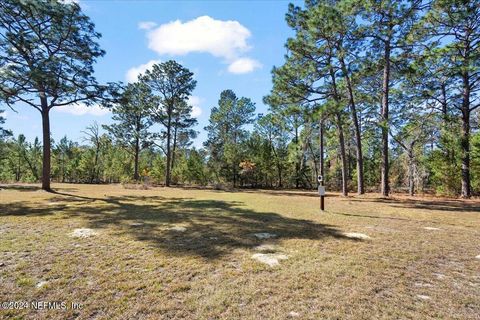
{"x": 47, "y": 51}
{"x": 132, "y": 114}
{"x": 173, "y": 83}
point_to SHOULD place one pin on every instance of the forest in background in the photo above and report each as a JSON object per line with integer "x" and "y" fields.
{"x": 373, "y": 95}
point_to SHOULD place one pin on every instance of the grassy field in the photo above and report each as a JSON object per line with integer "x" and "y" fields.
{"x": 173, "y": 253}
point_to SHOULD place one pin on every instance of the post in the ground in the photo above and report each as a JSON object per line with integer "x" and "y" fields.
{"x": 321, "y": 192}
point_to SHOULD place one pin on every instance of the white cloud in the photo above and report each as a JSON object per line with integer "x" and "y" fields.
{"x": 243, "y": 65}
{"x": 80, "y": 109}
{"x": 134, "y": 72}
{"x": 146, "y": 25}
{"x": 196, "y": 111}
{"x": 225, "y": 39}
{"x": 195, "y": 101}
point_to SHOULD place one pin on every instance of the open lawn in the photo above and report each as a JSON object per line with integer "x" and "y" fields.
{"x": 173, "y": 253}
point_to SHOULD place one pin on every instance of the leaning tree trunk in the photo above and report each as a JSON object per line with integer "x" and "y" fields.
{"x": 46, "y": 145}
{"x": 358, "y": 137}
{"x": 385, "y": 188}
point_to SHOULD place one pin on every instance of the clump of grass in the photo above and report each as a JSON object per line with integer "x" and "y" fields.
{"x": 25, "y": 281}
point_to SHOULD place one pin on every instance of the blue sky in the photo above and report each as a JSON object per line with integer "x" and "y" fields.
{"x": 227, "y": 44}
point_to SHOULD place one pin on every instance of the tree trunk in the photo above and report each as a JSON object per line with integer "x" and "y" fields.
{"x": 169, "y": 154}
{"x": 174, "y": 147}
{"x": 46, "y": 145}
{"x": 358, "y": 137}
{"x": 17, "y": 173}
{"x": 411, "y": 172}
{"x": 137, "y": 152}
{"x": 280, "y": 184}
{"x": 465, "y": 139}
{"x": 341, "y": 138}
{"x": 385, "y": 188}
{"x": 297, "y": 162}
{"x": 322, "y": 160}
{"x": 343, "y": 159}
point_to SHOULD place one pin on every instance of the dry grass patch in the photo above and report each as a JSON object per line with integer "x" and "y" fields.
{"x": 172, "y": 253}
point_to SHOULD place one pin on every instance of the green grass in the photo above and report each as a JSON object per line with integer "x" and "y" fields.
{"x": 137, "y": 267}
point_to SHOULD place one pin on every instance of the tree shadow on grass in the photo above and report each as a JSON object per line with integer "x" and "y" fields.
{"x": 213, "y": 228}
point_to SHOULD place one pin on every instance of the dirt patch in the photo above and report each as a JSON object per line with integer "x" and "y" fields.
{"x": 267, "y": 248}
{"x": 264, "y": 235}
{"x": 178, "y": 229}
{"x": 83, "y": 233}
{"x": 356, "y": 235}
{"x": 270, "y": 259}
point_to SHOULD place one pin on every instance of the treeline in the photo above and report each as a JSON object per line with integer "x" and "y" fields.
{"x": 373, "y": 96}
{"x": 282, "y": 150}
{"x": 99, "y": 159}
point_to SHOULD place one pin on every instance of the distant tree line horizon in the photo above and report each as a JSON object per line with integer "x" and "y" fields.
{"x": 373, "y": 95}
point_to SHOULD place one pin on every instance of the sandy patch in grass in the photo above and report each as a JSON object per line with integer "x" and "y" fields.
{"x": 267, "y": 248}
{"x": 264, "y": 235}
{"x": 356, "y": 235}
{"x": 478, "y": 257}
{"x": 270, "y": 259}
{"x": 83, "y": 233}
{"x": 423, "y": 297}
{"x": 431, "y": 228}
{"x": 178, "y": 228}
{"x": 41, "y": 284}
